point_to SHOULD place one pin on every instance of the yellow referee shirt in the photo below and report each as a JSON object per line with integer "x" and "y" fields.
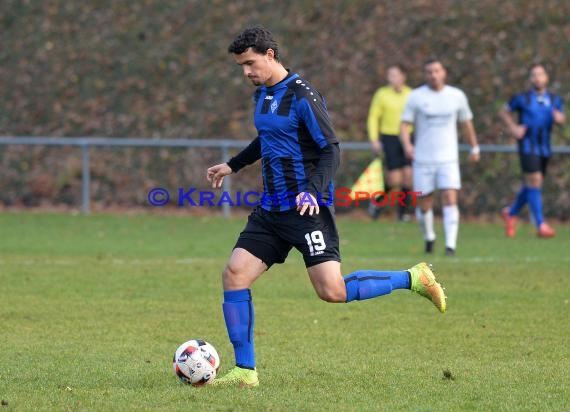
{"x": 385, "y": 111}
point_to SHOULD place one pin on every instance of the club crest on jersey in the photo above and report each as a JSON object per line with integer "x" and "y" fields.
{"x": 273, "y": 106}
{"x": 544, "y": 100}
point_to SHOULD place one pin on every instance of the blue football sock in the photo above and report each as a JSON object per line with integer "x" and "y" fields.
{"x": 520, "y": 201}
{"x": 368, "y": 284}
{"x": 238, "y": 313}
{"x": 534, "y": 195}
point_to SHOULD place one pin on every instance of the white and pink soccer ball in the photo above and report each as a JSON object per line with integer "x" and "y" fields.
{"x": 196, "y": 362}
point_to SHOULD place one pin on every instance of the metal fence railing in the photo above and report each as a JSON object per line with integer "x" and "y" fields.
{"x": 224, "y": 145}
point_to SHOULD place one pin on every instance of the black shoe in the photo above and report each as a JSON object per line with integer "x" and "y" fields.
{"x": 429, "y": 246}
{"x": 449, "y": 251}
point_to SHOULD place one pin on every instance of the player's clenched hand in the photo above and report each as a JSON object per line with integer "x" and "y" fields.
{"x": 474, "y": 157}
{"x": 306, "y": 201}
{"x": 215, "y": 174}
{"x": 376, "y": 147}
{"x": 518, "y": 131}
{"x": 558, "y": 116}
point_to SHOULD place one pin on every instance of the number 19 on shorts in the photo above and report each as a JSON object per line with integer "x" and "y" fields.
{"x": 316, "y": 242}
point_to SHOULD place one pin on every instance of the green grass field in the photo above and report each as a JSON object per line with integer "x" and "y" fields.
{"x": 93, "y": 307}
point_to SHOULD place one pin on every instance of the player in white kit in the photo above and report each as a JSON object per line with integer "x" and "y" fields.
{"x": 434, "y": 110}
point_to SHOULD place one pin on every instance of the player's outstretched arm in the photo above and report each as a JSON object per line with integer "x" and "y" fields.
{"x": 215, "y": 174}
{"x": 249, "y": 155}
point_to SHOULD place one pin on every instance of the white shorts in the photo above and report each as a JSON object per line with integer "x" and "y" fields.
{"x": 428, "y": 178}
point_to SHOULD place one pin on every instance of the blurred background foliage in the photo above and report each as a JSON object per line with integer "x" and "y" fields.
{"x": 160, "y": 69}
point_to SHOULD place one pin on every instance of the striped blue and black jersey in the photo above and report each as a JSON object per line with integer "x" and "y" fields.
{"x": 296, "y": 144}
{"x": 535, "y": 112}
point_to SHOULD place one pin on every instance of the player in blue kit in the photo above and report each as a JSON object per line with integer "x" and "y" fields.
{"x": 538, "y": 110}
{"x": 299, "y": 154}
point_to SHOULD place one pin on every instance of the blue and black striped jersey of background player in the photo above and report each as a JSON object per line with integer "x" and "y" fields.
{"x": 535, "y": 112}
{"x": 296, "y": 144}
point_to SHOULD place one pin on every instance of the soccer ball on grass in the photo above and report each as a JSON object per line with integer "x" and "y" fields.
{"x": 196, "y": 362}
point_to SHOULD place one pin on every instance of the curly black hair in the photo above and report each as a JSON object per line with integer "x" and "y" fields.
{"x": 258, "y": 38}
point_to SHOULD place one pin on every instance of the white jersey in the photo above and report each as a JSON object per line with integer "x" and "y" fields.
{"x": 434, "y": 115}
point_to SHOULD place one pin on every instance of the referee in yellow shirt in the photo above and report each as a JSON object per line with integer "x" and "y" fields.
{"x": 384, "y": 122}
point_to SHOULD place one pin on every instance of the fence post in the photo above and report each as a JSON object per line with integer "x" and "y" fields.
{"x": 85, "y": 178}
{"x": 226, "y": 184}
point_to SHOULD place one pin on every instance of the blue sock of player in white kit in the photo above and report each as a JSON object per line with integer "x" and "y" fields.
{"x": 520, "y": 201}
{"x": 368, "y": 284}
{"x": 239, "y": 316}
{"x": 534, "y": 195}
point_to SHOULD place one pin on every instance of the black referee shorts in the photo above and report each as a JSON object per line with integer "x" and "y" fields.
{"x": 271, "y": 235}
{"x": 394, "y": 155}
{"x": 531, "y": 163}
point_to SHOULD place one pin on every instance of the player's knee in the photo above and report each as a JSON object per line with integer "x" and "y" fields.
{"x": 232, "y": 271}
{"x": 332, "y": 295}
{"x": 395, "y": 180}
{"x": 535, "y": 182}
{"x": 229, "y": 271}
{"x": 449, "y": 198}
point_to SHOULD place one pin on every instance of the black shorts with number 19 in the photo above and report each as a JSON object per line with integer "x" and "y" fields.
{"x": 271, "y": 235}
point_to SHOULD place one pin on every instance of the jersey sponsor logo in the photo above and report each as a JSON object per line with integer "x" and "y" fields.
{"x": 440, "y": 119}
{"x": 268, "y": 97}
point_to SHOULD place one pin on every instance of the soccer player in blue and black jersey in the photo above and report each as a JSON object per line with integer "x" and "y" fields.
{"x": 538, "y": 110}
{"x": 299, "y": 155}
